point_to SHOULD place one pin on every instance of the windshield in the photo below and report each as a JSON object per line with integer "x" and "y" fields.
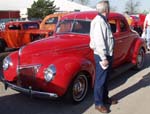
{"x": 53, "y": 20}
{"x": 73, "y": 26}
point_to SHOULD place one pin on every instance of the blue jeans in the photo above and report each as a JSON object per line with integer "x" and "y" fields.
{"x": 101, "y": 81}
{"x": 148, "y": 36}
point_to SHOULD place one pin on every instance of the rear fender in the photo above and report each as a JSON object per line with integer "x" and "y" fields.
{"x": 139, "y": 44}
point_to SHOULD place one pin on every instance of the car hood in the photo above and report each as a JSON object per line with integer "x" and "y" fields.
{"x": 56, "y": 43}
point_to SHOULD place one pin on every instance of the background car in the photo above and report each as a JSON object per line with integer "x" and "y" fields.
{"x": 136, "y": 22}
{"x": 17, "y": 34}
{"x": 50, "y": 21}
{"x": 63, "y": 65}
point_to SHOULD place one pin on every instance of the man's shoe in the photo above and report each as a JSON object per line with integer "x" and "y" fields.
{"x": 111, "y": 101}
{"x": 101, "y": 109}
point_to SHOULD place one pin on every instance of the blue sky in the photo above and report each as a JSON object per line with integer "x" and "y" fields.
{"x": 120, "y": 4}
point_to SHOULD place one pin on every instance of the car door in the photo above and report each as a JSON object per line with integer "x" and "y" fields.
{"x": 114, "y": 23}
{"x": 124, "y": 40}
{"x": 12, "y": 35}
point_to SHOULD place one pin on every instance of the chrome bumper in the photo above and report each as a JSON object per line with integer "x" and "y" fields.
{"x": 29, "y": 91}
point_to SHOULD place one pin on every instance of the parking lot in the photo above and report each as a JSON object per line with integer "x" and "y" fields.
{"x": 131, "y": 88}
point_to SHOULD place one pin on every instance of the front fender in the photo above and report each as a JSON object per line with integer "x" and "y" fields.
{"x": 11, "y": 73}
{"x": 68, "y": 68}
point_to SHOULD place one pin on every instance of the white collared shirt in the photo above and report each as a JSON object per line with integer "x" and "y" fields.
{"x": 101, "y": 38}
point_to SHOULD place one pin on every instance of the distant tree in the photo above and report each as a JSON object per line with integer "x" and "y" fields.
{"x": 113, "y": 8}
{"x": 132, "y": 6}
{"x": 145, "y": 12}
{"x": 84, "y": 2}
{"x": 41, "y": 8}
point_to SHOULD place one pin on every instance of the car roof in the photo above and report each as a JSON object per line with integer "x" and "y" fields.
{"x": 56, "y": 14}
{"x": 89, "y": 15}
{"x": 21, "y": 22}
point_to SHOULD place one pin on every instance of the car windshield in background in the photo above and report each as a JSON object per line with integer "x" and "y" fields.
{"x": 53, "y": 20}
{"x": 73, "y": 26}
{"x": 30, "y": 26}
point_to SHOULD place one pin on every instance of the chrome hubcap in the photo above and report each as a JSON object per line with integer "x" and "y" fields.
{"x": 80, "y": 88}
{"x": 140, "y": 58}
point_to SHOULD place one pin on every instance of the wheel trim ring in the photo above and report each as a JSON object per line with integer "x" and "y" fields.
{"x": 82, "y": 89}
{"x": 140, "y": 58}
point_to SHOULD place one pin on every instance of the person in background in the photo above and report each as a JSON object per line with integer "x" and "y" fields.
{"x": 102, "y": 43}
{"x": 146, "y": 29}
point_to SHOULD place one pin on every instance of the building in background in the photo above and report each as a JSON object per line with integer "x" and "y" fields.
{"x": 6, "y": 15}
{"x": 23, "y": 14}
{"x": 65, "y": 5}
{"x": 61, "y": 6}
{"x": 20, "y": 11}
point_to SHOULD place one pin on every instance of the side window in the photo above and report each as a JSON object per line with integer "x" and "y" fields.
{"x": 123, "y": 27}
{"x": 81, "y": 27}
{"x": 113, "y": 25}
{"x": 30, "y": 26}
{"x": 14, "y": 27}
{"x": 64, "y": 26}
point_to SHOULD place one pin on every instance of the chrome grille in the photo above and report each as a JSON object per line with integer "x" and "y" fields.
{"x": 27, "y": 75}
{"x": 27, "y": 72}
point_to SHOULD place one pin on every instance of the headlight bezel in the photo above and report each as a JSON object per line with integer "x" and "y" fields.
{"x": 49, "y": 73}
{"x": 7, "y": 62}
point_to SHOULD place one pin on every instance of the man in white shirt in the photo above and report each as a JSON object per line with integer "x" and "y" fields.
{"x": 147, "y": 30}
{"x": 102, "y": 43}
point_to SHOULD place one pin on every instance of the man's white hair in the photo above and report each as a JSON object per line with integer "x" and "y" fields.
{"x": 103, "y": 6}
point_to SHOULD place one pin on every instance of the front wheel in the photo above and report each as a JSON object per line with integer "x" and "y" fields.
{"x": 78, "y": 89}
{"x": 140, "y": 59}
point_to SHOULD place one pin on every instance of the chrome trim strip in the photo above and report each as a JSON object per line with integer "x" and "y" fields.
{"x": 124, "y": 37}
{"x": 36, "y": 67}
{"x": 20, "y": 50}
{"x": 29, "y": 66}
{"x": 74, "y": 48}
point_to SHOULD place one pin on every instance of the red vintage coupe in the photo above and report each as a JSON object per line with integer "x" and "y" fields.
{"x": 63, "y": 64}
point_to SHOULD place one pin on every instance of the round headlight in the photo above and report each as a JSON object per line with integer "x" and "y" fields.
{"x": 6, "y": 63}
{"x": 49, "y": 73}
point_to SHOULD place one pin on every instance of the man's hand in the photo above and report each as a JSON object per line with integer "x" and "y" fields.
{"x": 105, "y": 62}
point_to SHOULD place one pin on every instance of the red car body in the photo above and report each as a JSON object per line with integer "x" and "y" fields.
{"x": 63, "y": 65}
{"x": 138, "y": 22}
